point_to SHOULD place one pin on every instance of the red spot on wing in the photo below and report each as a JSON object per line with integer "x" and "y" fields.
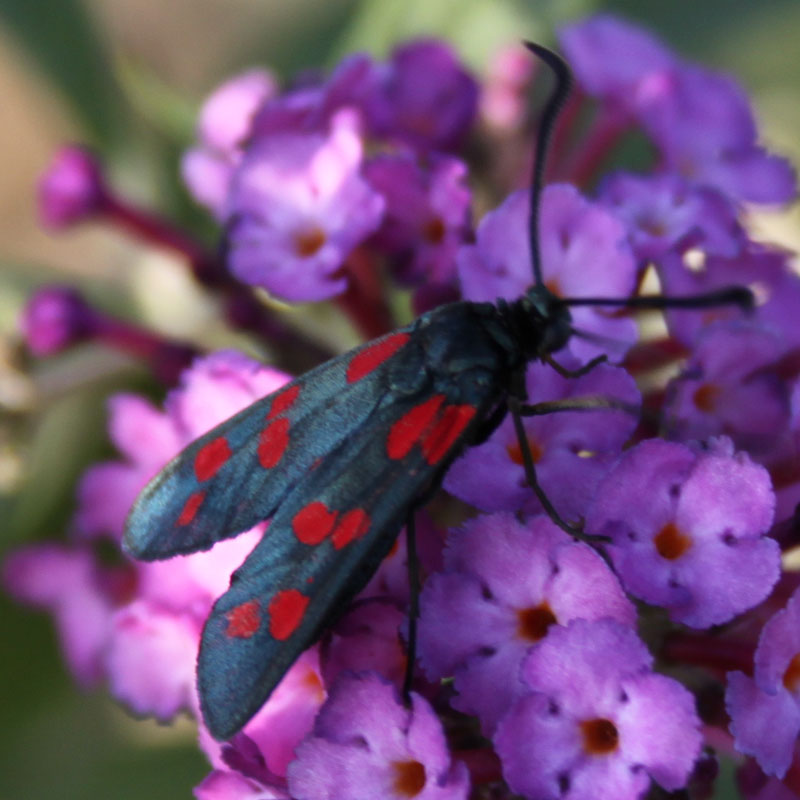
{"x": 284, "y": 401}
{"x": 448, "y": 427}
{"x": 411, "y": 427}
{"x": 190, "y": 508}
{"x": 272, "y": 442}
{"x": 210, "y": 457}
{"x": 286, "y": 611}
{"x": 374, "y": 355}
{"x": 244, "y": 620}
{"x": 352, "y": 525}
{"x": 312, "y": 523}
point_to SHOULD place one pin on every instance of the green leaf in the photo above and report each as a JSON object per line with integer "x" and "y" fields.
{"x": 61, "y": 40}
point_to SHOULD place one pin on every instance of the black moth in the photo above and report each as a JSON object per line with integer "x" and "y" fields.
{"x": 338, "y": 460}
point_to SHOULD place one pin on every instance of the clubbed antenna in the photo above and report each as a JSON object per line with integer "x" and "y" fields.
{"x": 554, "y": 104}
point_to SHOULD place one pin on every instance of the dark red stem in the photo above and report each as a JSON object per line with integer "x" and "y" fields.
{"x": 713, "y": 652}
{"x": 363, "y": 301}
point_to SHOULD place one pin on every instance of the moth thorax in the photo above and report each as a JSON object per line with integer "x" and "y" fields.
{"x": 542, "y": 323}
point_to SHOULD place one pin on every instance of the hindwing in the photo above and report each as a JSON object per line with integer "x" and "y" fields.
{"x": 323, "y": 544}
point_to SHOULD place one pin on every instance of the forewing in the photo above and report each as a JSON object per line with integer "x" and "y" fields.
{"x": 237, "y": 474}
{"x": 323, "y": 545}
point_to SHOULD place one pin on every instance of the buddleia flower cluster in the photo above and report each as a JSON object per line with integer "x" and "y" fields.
{"x": 663, "y": 642}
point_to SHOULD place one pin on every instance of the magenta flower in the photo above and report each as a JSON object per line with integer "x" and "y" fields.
{"x": 682, "y": 522}
{"x": 55, "y": 318}
{"x": 72, "y": 189}
{"x": 223, "y": 128}
{"x": 297, "y": 208}
{"x": 597, "y": 721}
{"x": 70, "y": 586}
{"x": 365, "y": 743}
{"x": 213, "y": 390}
{"x": 138, "y": 626}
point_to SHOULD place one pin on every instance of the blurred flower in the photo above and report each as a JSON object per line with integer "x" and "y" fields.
{"x": 357, "y": 187}
{"x": 55, "y": 318}
{"x": 72, "y": 189}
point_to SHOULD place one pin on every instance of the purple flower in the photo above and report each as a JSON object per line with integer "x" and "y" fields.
{"x": 297, "y": 208}
{"x": 368, "y": 638}
{"x": 67, "y": 583}
{"x": 597, "y": 722}
{"x": 753, "y": 784}
{"x": 366, "y": 743}
{"x": 273, "y": 734}
{"x": 504, "y": 585}
{"x": 55, "y": 318}
{"x": 72, "y": 189}
{"x": 682, "y": 522}
{"x": 224, "y": 125}
{"x": 310, "y": 107}
{"x": 138, "y": 626}
{"x": 767, "y": 271}
{"x": 701, "y": 121}
{"x": 730, "y": 385}
{"x": 664, "y": 211}
{"x": 151, "y": 657}
{"x": 423, "y": 98}
{"x": 616, "y": 60}
{"x": 584, "y": 253}
{"x": 427, "y": 215}
{"x": 704, "y": 128}
{"x": 572, "y": 450}
{"x": 224, "y": 785}
{"x": 226, "y": 118}
{"x": 765, "y": 709}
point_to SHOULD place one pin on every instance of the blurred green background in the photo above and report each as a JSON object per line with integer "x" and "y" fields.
{"x": 127, "y": 76}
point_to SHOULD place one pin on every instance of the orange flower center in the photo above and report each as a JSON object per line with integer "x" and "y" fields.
{"x": 515, "y": 452}
{"x": 671, "y": 542}
{"x": 600, "y": 737}
{"x": 791, "y": 678}
{"x": 307, "y": 243}
{"x": 706, "y": 396}
{"x": 409, "y": 778}
{"x": 433, "y": 231}
{"x": 532, "y": 623}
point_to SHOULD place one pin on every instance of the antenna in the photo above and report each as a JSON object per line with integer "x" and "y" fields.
{"x": 558, "y": 95}
{"x": 728, "y": 296}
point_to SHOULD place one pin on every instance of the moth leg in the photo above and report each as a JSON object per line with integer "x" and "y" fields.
{"x": 587, "y": 403}
{"x": 413, "y": 605}
{"x": 515, "y": 406}
{"x": 574, "y": 373}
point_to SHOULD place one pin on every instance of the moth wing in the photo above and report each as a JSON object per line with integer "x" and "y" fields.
{"x": 323, "y": 544}
{"x": 238, "y": 474}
